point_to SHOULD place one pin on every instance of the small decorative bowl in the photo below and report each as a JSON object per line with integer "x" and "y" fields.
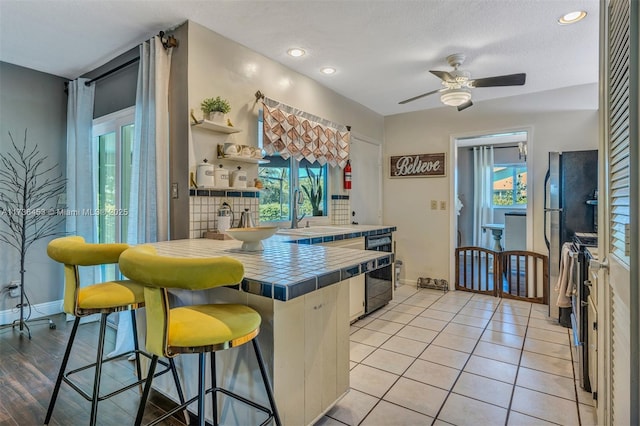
{"x": 252, "y": 237}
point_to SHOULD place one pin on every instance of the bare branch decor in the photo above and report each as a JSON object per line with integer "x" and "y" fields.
{"x": 29, "y": 190}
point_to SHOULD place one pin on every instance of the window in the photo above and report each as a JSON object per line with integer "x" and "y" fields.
{"x": 281, "y": 177}
{"x": 113, "y": 136}
{"x": 509, "y": 185}
{"x": 274, "y": 199}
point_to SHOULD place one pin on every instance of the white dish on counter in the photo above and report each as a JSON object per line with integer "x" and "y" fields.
{"x": 252, "y": 237}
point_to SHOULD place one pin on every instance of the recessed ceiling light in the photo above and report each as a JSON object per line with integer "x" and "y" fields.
{"x": 327, "y": 70}
{"x": 572, "y": 17}
{"x": 296, "y": 52}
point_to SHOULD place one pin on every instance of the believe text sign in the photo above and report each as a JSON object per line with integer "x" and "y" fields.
{"x": 417, "y": 165}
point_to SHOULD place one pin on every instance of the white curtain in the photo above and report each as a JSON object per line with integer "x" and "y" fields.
{"x": 149, "y": 203}
{"x": 82, "y": 163}
{"x": 482, "y": 194}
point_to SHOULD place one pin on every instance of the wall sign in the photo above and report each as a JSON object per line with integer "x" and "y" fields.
{"x": 417, "y": 165}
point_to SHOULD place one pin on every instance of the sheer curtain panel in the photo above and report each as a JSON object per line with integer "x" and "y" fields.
{"x": 482, "y": 194}
{"x": 149, "y": 213}
{"x": 82, "y": 162}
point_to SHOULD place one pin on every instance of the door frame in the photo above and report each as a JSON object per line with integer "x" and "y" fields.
{"x": 378, "y": 145}
{"x": 454, "y": 144}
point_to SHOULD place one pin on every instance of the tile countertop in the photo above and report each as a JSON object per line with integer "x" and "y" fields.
{"x": 284, "y": 271}
{"x": 323, "y": 234}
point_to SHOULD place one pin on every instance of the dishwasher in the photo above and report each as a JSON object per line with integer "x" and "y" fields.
{"x": 378, "y": 284}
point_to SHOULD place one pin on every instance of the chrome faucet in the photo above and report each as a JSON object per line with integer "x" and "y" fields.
{"x": 297, "y": 200}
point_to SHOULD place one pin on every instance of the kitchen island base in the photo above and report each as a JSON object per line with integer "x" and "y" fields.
{"x": 305, "y": 344}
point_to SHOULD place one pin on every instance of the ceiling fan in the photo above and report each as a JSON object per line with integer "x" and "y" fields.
{"x": 458, "y": 84}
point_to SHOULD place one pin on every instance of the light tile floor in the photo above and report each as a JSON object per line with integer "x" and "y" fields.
{"x": 434, "y": 358}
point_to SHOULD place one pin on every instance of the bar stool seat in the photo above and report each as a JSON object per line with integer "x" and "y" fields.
{"x": 199, "y": 328}
{"x": 110, "y": 294}
{"x": 101, "y": 298}
{"x": 204, "y": 325}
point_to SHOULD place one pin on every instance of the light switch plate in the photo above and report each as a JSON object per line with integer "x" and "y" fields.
{"x": 443, "y": 205}
{"x": 434, "y": 205}
{"x": 174, "y": 190}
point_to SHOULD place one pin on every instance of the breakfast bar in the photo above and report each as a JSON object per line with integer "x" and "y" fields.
{"x": 302, "y": 293}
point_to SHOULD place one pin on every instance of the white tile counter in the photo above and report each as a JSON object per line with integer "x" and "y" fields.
{"x": 286, "y": 268}
{"x": 302, "y": 294}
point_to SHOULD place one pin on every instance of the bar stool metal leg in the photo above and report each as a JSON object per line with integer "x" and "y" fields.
{"x": 65, "y": 359}
{"x": 96, "y": 381}
{"x": 201, "y": 387}
{"x": 136, "y": 345}
{"x": 176, "y": 380}
{"x": 147, "y": 389}
{"x": 214, "y": 394}
{"x": 267, "y": 383}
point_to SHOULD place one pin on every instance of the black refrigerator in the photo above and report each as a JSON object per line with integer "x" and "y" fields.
{"x": 571, "y": 181}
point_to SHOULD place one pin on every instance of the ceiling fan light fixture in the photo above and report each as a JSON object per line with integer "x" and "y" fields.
{"x": 455, "y": 97}
{"x": 572, "y": 17}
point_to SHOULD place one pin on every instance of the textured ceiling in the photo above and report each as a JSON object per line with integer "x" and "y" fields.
{"x": 381, "y": 49}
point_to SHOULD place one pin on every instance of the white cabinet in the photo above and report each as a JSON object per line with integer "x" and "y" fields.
{"x": 311, "y": 353}
{"x": 356, "y": 297}
{"x": 305, "y": 345}
{"x": 356, "y": 284}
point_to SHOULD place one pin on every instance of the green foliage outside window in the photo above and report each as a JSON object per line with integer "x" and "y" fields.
{"x": 505, "y": 192}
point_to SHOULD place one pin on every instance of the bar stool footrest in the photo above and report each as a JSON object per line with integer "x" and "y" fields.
{"x": 68, "y": 380}
{"x": 211, "y": 390}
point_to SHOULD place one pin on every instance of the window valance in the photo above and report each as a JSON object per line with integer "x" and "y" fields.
{"x": 289, "y": 132}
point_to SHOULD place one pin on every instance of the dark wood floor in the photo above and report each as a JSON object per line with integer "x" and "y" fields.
{"x": 28, "y": 369}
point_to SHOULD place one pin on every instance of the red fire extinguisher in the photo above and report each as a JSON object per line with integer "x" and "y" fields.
{"x": 347, "y": 175}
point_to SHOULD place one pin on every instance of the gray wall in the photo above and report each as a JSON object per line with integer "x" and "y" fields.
{"x": 117, "y": 91}
{"x": 37, "y": 102}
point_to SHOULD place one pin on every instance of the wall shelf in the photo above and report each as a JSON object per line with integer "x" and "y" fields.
{"x": 221, "y": 128}
{"x": 248, "y": 189}
{"x": 241, "y": 159}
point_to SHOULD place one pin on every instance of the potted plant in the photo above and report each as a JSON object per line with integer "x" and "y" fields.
{"x": 214, "y": 109}
{"x": 314, "y": 191}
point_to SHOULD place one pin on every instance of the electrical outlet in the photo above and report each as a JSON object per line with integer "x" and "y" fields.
{"x": 434, "y": 205}
{"x": 14, "y": 289}
{"x": 443, "y": 205}
{"x": 174, "y": 190}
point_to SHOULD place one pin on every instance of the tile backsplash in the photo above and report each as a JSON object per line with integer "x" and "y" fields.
{"x": 340, "y": 210}
{"x": 204, "y": 205}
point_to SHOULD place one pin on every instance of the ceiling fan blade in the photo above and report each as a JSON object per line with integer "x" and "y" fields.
{"x": 502, "y": 80}
{"x": 419, "y": 96}
{"x": 442, "y": 75}
{"x": 465, "y": 105}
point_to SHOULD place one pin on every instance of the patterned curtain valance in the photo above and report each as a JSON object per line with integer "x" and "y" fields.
{"x": 289, "y": 132}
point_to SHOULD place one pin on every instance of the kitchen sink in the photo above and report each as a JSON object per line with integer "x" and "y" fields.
{"x": 315, "y": 230}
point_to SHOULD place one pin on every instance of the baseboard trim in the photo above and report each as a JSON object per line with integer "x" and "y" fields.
{"x": 37, "y": 311}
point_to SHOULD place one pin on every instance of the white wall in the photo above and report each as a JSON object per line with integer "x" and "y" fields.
{"x": 565, "y": 119}
{"x": 221, "y": 67}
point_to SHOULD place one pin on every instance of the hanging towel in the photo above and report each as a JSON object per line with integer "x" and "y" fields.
{"x": 564, "y": 286}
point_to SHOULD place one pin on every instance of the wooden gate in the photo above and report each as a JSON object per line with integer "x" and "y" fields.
{"x": 522, "y": 275}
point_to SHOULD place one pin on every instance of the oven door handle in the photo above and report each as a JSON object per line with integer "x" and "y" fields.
{"x": 597, "y": 265}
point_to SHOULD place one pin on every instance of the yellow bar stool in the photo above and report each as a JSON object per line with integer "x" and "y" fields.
{"x": 103, "y": 298}
{"x": 197, "y": 328}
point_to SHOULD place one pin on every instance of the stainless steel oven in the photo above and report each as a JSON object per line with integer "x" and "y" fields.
{"x": 580, "y": 303}
{"x": 378, "y": 284}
